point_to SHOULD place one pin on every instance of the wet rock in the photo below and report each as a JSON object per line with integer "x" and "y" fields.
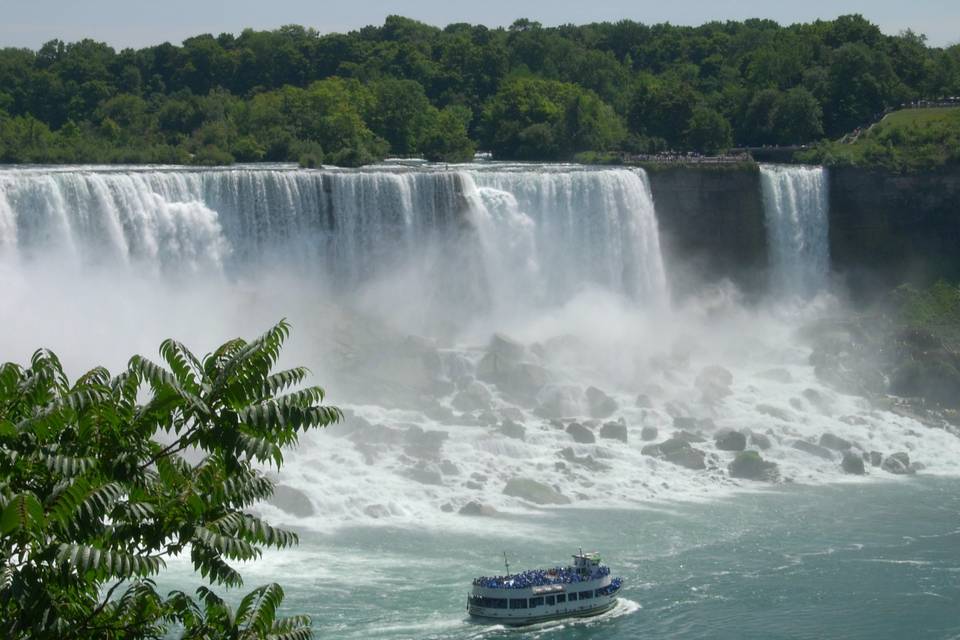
{"x": 917, "y": 466}
{"x": 533, "y": 491}
{"x": 876, "y": 458}
{"x": 293, "y": 501}
{"x": 816, "y": 399}
{"x": 559, "y": 401}
{"x": 447, "y": 507}
{"x": 678, "y": 452}
{"x": 474, "y": 508}
{"x": 714, "y": 383}
{"x": 518, "y": 380}
{"x": 731, "y": 441}
{"x": 470, "y": 484}
{"x": 760, "y": 441}
{"x": 852, "y": 464}
{"x": 423, "y": 444}
{"x": 474, "y": 397}
{"x": 685, "y": 422}
{"x": 931, "y": 374}
{"x": 568, "y": 454}
{"x": 580, "y": 433}
{"x": 812, "y": 449}
{"x": 479, "y": 477}
{"x": 448, "y": 468}
{"x": 511, "y": 413}
{"x": 599, "y": 404}
{"x": 487, "y": 418}
{"x": 644, "y": 402}
{"x": 836, "y": 443}
{"x": 440, "y": 413}
{"x": 506, "y": 347}
{"x": 897, "y": 463}
{"x": 614, "y": 431}
{"x": 797, "y": 404}
{"x": 776, "y": 375}
{"x": 424, "y": 475}
{"x": 511, "y": 429}
{"x": 775, "y": 412}
{"x": 750, "y": 465}
{"x": 376, "y": 511}
{"x": 688, "y": 436}
{"x": 649, "y": 433}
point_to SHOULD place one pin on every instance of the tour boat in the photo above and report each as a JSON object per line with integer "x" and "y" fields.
{"x": 582, "y": 589}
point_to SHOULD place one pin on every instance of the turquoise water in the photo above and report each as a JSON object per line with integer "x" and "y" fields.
{"x": 845, "y": 561}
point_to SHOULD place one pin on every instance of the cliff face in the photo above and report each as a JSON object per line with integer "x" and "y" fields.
{"x": 886, "y": 229}
{"x": 711, "y": 225}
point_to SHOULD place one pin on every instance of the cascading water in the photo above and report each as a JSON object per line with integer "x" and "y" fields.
{"x": 796, "y": 207}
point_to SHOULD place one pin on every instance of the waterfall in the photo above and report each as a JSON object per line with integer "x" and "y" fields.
{"x": 796, "y": 210}
{"x": 471, "y": 237}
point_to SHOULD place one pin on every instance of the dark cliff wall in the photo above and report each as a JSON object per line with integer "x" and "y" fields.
{"x": 886, "y": 229}
{"x": 711, "y": 225}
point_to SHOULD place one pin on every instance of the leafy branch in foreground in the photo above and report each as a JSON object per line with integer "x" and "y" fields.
{"x": 95, "y": 491}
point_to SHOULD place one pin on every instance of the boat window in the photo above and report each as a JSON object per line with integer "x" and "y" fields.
{"x": 572, "y": 596}
{"x": 518, "y": 603}
{"x": 586, "y": 595}
{"x": 536, "y": 602}
{"x": 561, "y": 598}
{"x": 551, "y": 601}
{"x": 489, "y": 603}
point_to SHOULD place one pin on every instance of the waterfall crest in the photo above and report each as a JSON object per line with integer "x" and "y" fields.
{"x": 796, "y": 209}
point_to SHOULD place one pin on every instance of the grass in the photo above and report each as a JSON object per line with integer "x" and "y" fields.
{"x": 905, "y": 141}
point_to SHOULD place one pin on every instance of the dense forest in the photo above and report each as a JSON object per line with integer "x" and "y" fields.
{"x": 407, "y": 88}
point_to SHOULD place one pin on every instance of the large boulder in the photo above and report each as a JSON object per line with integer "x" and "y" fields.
{"x": 836, "y": 443}
{"x": 518, "y": 380}
{"x": 559, "y": 401}
{"x": 649, "y": 432}
{"x": 714, "y": 383}
{"x": 898, "y": 463}
{"x": 424, "y": 474}
{"x": 760, "y": 440}
{"x": 512, "y": 429}
{"x": 474, "y": 508}
{"x": 422, "y": 444}
{"x": 812, "y": 449}
{"x": 731, "y": 441}
{"x": 568, "y": 454}
{"x": 473, "y": 397}
{"x": 293, "y": 501}
{"x": 614, "y": 431}
{"x": 678, "y": 452}
{"x": 876, "y": 458}
{"x": 580, "y": 433}
{"x": 852, "y": 464}
{"x": 507, "y": 347}
{"x": 533, "y": 491}
{"x": 750, "y": 466}
{"x": 599, "y": 404}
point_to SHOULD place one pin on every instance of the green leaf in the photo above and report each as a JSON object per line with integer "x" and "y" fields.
{"x": 23, "y": 511}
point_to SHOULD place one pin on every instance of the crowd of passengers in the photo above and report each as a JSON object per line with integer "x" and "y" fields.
{"x": 539, "y": 578}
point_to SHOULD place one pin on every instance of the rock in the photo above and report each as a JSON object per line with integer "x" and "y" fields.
{"x": 580, "y": 433}
{"x": 854, "y": 421}
{"x": 731, "y": 441}
{"x": 474, "y": 508}
{"x": 376, "y": 511}
{"x": 614, "y": 431}
{"x": 479, "y": 477}
{"x": 760, "y": 440}
{"x": 917, "y": 466}
{"x": 475, "y": 397}
{"x": 507, "y": 348}
{"x": 447, "y": 507}
{"x": 423, "y": 444}
{"x": 534, "y": 491}
{"x": 440, "y": 413}
{"x": 599, "y": 404}
{"x": 714, "y": 383}
{"x": 649, "y": 433}
{"x": 511, "y": 413}
{"x": 852, "y": 464}
{"x": 776, "y": 375}
{"x": 816, "y": 399}
{"x": 685, "y": 422}
{"x": 687, "y": 436}
{"x": 447, "y": 468}
{"x": 293, "y": 501}
{"x": 797, "y": 404}
{"x": 897, "y": 463}
{"x": 775, "y": 412}
{"x": 568, "y": 454}
{"x": 350, "y": 424}
{"x": 689, "y": 458}
{"x": 475, "y": 486}
{"x": 487, "y": 418}
{"x": 644, "y": 402}
{"x": 933, "y": 375}
{"x": 836, "y": 443}
{"x": 812, "y": 449}
{"x": 519, "y": 380}
{"x": 424, "y": 475}
{"x": 511, "y": 429}
{"x": 559, "y": 401}
{"x": 876, "y": 458}
{"x": 750, "y": 466}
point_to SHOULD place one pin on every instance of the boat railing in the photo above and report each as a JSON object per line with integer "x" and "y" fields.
{"x": 540, "y": 577}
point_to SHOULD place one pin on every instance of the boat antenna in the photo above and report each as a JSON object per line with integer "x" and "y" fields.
{"x": 505, "y": 563}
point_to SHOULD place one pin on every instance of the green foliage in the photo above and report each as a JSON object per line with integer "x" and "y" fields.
{"x": 95, "y": 491}
{"x": 262, "y": 95}
{"x": 709, "y": 131}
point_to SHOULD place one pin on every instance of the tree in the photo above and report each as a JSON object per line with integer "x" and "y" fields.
{"x": 798, "y": 117}
{"x": 708, "y": 131}
{"x": 95, "y": 489}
